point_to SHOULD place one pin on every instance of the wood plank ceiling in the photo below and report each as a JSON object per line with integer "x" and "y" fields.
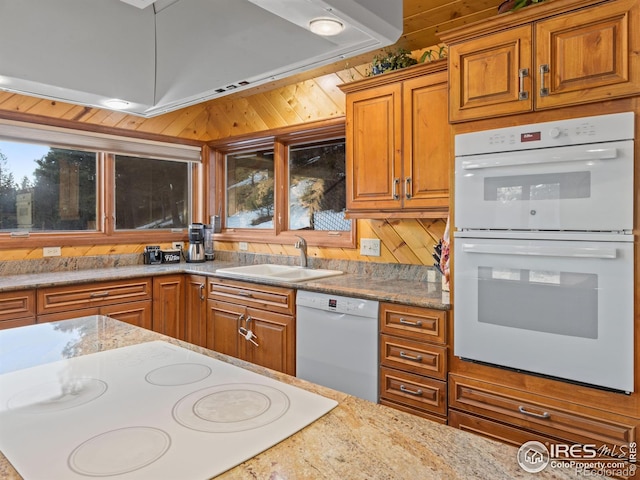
{"x": 305, "y": 97}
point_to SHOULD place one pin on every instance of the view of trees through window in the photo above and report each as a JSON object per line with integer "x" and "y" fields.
{"x": 317, "y": 190}
{"x": 43, "y": 188}
{"x": 151, "y": 193}
{"x": 250, "y": 189}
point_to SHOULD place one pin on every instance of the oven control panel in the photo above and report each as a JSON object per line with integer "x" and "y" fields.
{"x": 575, "y": 131}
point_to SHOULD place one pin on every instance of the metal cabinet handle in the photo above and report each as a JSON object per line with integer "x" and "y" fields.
{"x": 522, "y": 95}
{"x": 544, "y": 69}
{"x": 242, "y": 293}
{"x": 99, "y": 294}
{"x": 544, "y": 415}
{"x": 407, "y": 322}
{"x": 396, "y": 182}
{"x": 407, "y": 187}
{"x": 202, "y": 291}
{"x": 417, "y": 393}
{"x": 417, "y": 358}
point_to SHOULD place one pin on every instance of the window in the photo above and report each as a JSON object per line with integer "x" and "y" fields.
{"x": 151, "y": 194}
{"x": 77, "y": 187}
{"x": 47, "y": 189}
{"x": 317, "y": 187}
{"x": 290, "y": 183}
{"x": 250, "y": 189}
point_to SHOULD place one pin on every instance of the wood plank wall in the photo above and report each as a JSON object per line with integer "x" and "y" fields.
{"x": 402, "y": 241}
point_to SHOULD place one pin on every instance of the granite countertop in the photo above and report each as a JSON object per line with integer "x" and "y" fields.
{"x": 391, "y": 288}
{"x": 355, "y": 440}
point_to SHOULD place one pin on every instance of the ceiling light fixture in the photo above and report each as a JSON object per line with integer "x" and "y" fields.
{"x": 117, "y": 104}
{"x": 326, "y": 27}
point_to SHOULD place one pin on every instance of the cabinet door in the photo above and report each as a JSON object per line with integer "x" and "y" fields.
{"x": 168, "y": 305}
{"x": 135, "y": 313}
{"x": 485, "y": 73}
{"x": 275, "y": 338}
{"x": 589, "y": 55}
{"x": 374, "y": 144}
{"x": 222, "y": 327}
{"x": 427, "y": 142}
{"x": 17, "y": 308}
{"x": 196, "y": 310}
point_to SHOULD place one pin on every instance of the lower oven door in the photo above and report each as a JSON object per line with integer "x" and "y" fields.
{"x": 557, "y": 308}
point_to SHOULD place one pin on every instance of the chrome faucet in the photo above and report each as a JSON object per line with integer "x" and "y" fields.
{"x": 302, "y": 246}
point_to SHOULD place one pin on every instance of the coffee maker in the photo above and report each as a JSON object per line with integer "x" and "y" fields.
{"x": 195, "y": 252}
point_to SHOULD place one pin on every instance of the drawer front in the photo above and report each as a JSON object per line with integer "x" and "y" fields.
{"x": 416, "y": 357}
{"x": 18, "y": 304}
{"x": 422, "y": 324}
{"x": 575, "y": 424}
{"x": 265, "y": 297}
{"x": 413, "y": 390}
{"x": 61, "y": 299}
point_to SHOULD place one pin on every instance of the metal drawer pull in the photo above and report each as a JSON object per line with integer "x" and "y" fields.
{"x": 244, "y": 294}
{"x": 522, "y": 95}
{"x": 417, "y": 358}
{"x": 521, "y": 409}
{"x": 202, "y": 291}
{"x": 407, "y": 322}
{"x": 99, "y": 294}
{"x": 544, "y": 69}
{"x": 417, "y": 393}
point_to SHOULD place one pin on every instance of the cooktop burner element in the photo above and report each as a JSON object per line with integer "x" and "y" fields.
{"x": 153, "y": 410}
{"x": 119, "y": 451}
{"x": 52, "y": 396}
{"x": 231, "y": 408}
{"x": 179, "y": 374}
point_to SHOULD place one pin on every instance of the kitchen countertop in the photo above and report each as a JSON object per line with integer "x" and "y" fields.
{"x": 391, "y": 289}
{"x": 355, "y": 440}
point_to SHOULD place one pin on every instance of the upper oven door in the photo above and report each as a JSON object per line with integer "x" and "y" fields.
{"x": 574, "y": 188}
{"x": 559, "y": 308}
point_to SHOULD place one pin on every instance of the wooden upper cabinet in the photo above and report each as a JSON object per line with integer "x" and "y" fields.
{"x": 590, "y": 55}
{"x": 566, "y": 52}
{"x": 374, "y": 140}
{"x": 398, "y": 144}
{"x": 491, "y": 75}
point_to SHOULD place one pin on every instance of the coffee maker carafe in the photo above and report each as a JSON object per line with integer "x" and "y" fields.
{"x": 195, "y": 252}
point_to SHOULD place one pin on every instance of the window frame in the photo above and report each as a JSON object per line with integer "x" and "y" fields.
{"x": 63, "y": 135}
{"x": 279, "y": 140}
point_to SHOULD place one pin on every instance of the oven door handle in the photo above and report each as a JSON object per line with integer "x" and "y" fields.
{"x": 533, "y": 251}
{"x": 566, "y": 154}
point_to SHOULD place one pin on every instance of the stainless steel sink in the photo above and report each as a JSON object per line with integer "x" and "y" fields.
{"x": 285, "y": 273}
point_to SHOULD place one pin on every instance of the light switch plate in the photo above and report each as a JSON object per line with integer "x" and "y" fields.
{"x": 244, "y": 246}
{"x": 51, "y": 251}
{"x": 370, "y": 247}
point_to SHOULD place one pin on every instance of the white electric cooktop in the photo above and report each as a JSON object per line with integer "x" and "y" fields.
{"x": 152, "y": 410}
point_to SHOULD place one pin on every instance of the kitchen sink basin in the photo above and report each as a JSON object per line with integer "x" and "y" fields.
{"x": 277, "y": 272}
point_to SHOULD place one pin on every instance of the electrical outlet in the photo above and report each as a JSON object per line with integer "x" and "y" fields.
{"x": 370, "y": 247}
{"x": 178, "y": 245}
{"x": 51, "y": 251}
{"x": 244, "y": 246}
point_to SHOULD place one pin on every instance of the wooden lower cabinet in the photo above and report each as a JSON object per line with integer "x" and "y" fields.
{"x": 128, "y": 300}
{"x": 168, "y": 305}
{"x": 233, "y": 308}
{"x": 512, "y": 415}
{"x": 413, "y": 360}
{"x": 196, "y": 309}
{"x": 17, "y": 309}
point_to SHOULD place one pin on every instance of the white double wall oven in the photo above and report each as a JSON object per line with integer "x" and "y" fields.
{"x": 543, "y": 249}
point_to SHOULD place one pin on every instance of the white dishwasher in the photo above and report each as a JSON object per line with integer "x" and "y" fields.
{"x": 337, "y": 343}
